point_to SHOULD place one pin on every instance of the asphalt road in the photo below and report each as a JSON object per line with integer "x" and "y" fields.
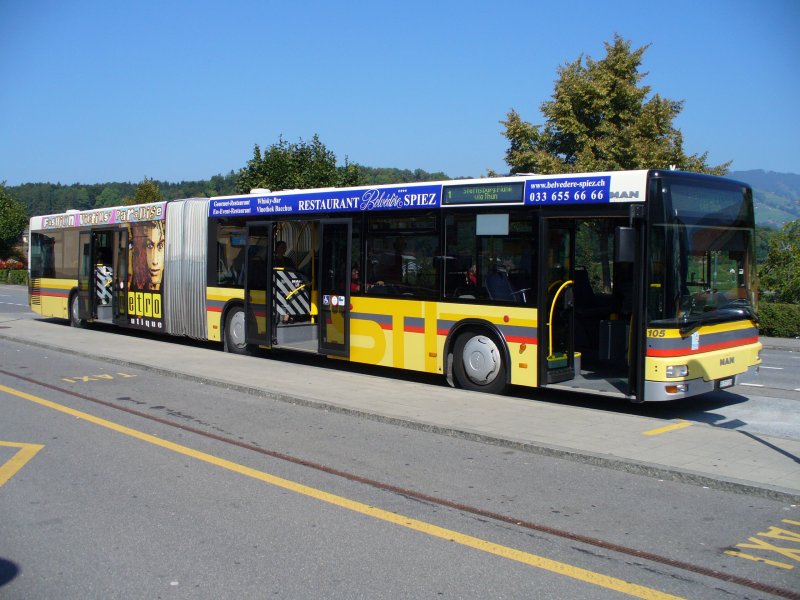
{"x": 14, "y": 301}
{"x": 118, "y": 482}
{"x": 143, "y": 485}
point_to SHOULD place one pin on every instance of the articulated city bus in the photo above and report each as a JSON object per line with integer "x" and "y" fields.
{"x": 637, "y": 284}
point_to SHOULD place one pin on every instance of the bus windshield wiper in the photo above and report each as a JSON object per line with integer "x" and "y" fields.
{"x": 733, "y": 311}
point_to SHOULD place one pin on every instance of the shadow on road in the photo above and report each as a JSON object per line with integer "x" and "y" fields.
{"x": 8, "y": 571}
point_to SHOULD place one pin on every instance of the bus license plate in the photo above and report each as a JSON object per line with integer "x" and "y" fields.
{"x": 725, "y": 383}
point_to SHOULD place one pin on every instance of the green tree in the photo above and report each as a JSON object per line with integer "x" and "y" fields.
{"x": 601, "y": 119}
{"x": 147, "y": 191}
{"x": 13, "y": 221}
{"x": 286, "y": 166}
{"x": 780, "y": 272}
{"x": 108, "y": 197}
{"x": 763, "y": 237}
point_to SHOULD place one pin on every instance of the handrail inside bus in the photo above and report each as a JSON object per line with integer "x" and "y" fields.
{"x": 552, "y": 310}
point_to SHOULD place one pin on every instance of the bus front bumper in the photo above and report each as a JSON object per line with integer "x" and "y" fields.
{"x": 663, "y": 391}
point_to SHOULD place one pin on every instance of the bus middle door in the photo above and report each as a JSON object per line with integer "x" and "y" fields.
{"x": 121, "y": 277}
{"x": 258, "y": 286}
{"x": 334, "y": 288}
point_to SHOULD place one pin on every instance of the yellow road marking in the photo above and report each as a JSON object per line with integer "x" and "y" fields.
{"x": 533, "y": 560}
{"x": 777, "y": 533}
{"x": 88, "y": 378}
{"x": 26, "y": 452}
{"x": 774, "y": 563}
{"x": 681, "y": 424}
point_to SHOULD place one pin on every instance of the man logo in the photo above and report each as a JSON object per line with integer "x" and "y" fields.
{"x": 728, "y": 360}
{"x": 631, "y": 194}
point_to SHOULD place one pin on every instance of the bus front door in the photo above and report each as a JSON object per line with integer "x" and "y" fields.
{"x": 588, "y": 309}
{"x": 556, "y": 304}
{"x": 334, "y": 287}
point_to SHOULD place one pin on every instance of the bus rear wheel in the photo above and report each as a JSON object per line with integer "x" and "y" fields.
{"x": 478, "y": 364}
{"x": 235, "y": 332}
{"x": 75, "y": 312}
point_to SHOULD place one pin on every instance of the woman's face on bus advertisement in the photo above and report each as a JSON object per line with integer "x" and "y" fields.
{"x": 155, "y": 255}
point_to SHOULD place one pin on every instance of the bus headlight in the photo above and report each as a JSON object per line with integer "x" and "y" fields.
{"x": 677, "y": 370}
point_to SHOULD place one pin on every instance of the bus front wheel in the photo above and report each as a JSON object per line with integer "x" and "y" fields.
{"x": 234, "y": 340}
{"x": 75, "y": 312}
{"x": 478, "y": 364}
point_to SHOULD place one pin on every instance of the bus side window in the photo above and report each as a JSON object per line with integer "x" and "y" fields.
{"x": 402, "y": 254}
{"x": 461, "y": 258}
{"x": 230, "y": 242}
{"x": 42, "y": 259}
{"x": 496, "y": 266}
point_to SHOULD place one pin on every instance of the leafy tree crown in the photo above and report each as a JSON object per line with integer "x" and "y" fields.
{"x": 285, "y": 166}
{"x": 147, "y": 191}
{"x": 13, "y": 221}
{"x": 780, "y": 272}
{"x": 601, "y": 118}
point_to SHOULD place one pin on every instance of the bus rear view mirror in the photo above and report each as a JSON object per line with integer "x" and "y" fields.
{"x": 624, "y": 245}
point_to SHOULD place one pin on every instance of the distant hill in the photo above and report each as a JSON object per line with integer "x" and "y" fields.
{"x": 776, "y": 195}
{"x": 386, "y": 175}
{"x": 49, "y": 198}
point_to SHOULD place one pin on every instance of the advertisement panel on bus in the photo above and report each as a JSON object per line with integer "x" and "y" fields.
{"x": 545, "y": 190}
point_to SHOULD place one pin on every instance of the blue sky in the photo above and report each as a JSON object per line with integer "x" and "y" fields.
{"x": 94, "y": 91}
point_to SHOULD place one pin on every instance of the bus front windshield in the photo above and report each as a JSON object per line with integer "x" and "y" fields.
{"x": 701, "y": 267}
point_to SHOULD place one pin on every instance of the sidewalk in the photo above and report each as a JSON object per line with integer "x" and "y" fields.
{"x": 700, "y": 454}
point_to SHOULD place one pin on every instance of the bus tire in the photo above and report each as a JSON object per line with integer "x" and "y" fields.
{"x": 75, "y": 312}
{"x": 235, "y": 332}
{"x": 478, "y": 363}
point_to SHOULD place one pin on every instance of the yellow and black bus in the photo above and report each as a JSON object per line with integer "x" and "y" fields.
{"x": 635, "y": 284}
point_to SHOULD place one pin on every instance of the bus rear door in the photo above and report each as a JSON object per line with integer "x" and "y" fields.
{"x": 102, "y": 275}
{"x": 121, "y": 277}
{"x": 85, "y": 277}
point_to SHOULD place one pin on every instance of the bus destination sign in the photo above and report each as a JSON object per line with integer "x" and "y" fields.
{"x": 485, "y": 193}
